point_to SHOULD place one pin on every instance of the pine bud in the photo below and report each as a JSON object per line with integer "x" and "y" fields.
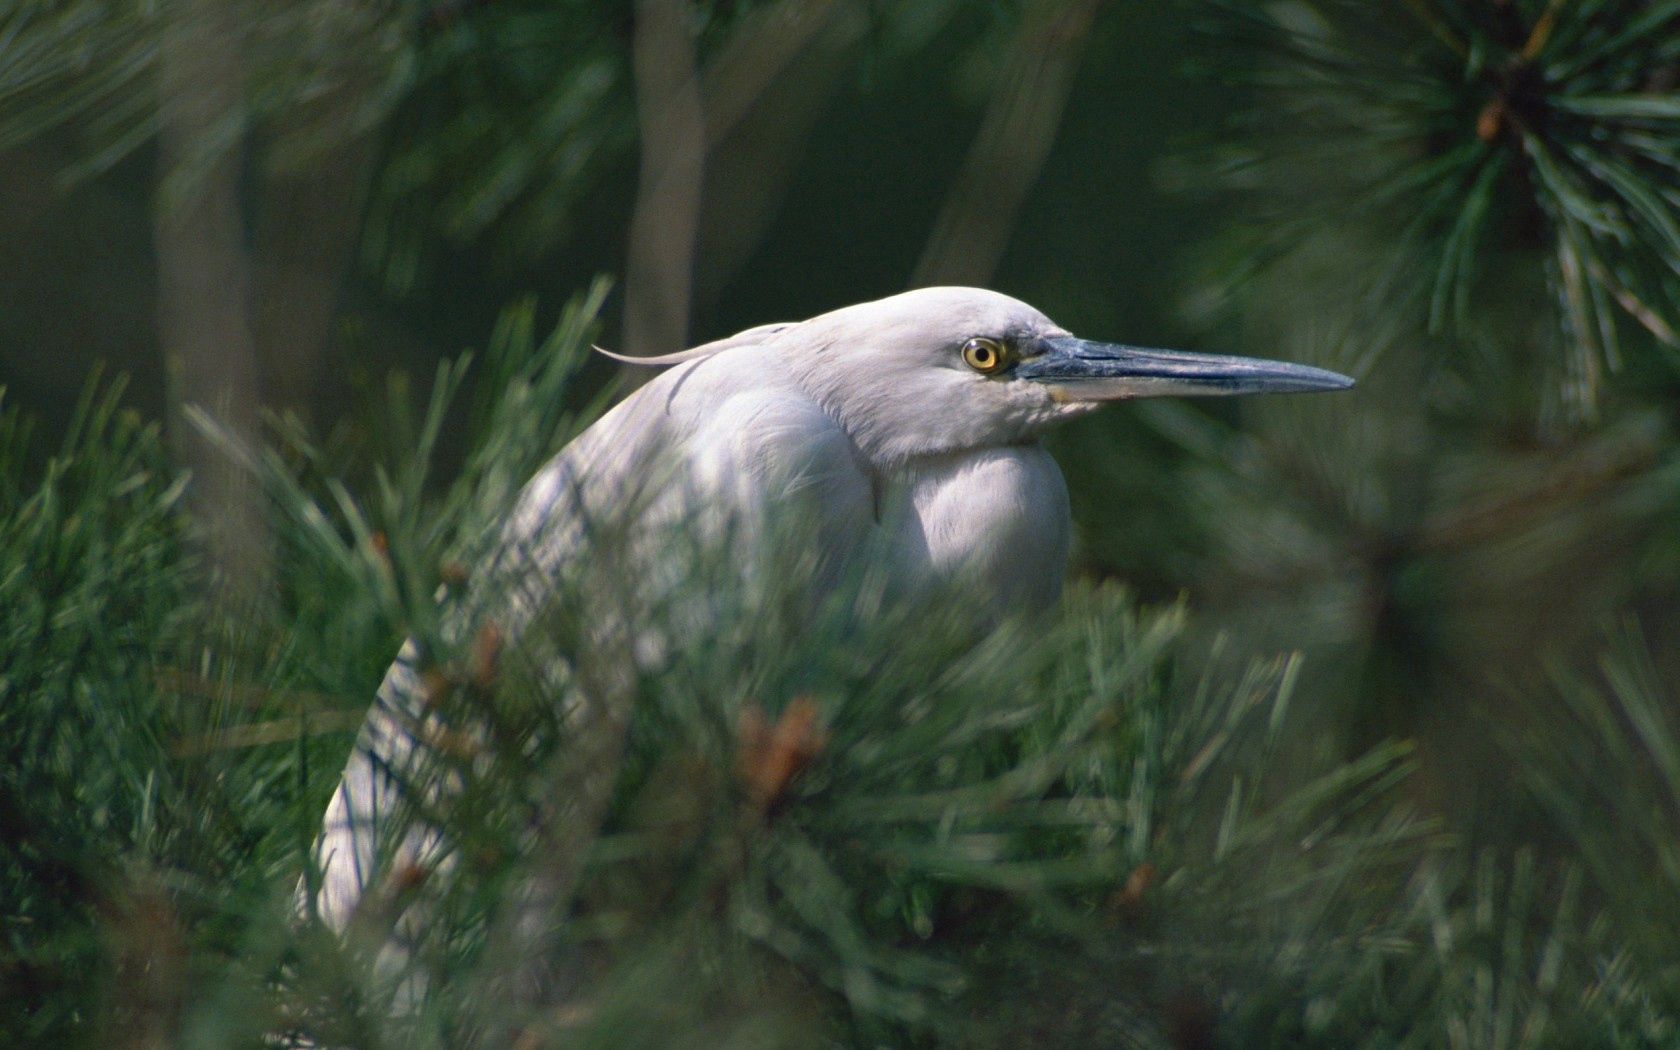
{"x": 771, "y": 756}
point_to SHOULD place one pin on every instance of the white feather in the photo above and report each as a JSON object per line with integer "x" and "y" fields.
{"x": 865, "y": 417}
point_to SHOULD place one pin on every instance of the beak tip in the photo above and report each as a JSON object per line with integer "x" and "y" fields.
{"x": 1317, "y": 380}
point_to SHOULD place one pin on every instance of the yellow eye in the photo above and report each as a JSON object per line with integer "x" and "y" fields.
{"x": 984, "y": 355}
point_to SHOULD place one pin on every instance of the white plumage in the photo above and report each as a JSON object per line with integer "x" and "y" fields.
{"x": 906, "y": 429}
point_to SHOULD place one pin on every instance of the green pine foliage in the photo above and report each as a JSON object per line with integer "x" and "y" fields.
{"x": 311, "y": 74}
{"x": 859, "y": 829}
{"x": 945, "y": 803}
{"x": 96, "y": 574}
{"x": 1415, "y": 183}
{"x": 1488, "y": 154}
{"x": 1447, "y": 815}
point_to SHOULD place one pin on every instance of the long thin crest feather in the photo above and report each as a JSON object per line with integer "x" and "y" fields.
{"x": 746, "y": 338}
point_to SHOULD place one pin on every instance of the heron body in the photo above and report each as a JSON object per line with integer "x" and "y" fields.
{"x": 907, "y": 430}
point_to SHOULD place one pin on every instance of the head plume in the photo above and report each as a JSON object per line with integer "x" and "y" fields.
{"x": 750, "y": 337}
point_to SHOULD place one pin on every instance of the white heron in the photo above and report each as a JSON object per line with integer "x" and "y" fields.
{"x": 909, "y": 426}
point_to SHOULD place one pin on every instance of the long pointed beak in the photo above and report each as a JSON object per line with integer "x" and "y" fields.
{"x": 1077, "y": 370}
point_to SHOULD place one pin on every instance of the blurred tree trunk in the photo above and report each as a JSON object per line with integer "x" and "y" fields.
{"x": 764, "y": 92}
{"x": 1015, "y": 136}
{"x": 320, "y": 153}
{"x": 204, "y": 285}
{"x": 760, "y": 96}
{"x": 659, "y": 272}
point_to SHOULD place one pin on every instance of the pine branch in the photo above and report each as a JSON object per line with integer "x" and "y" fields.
{"x": 1530, "y": 137}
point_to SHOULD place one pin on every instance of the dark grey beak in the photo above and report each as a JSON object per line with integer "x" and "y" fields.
{"x": 1077, "y": 370}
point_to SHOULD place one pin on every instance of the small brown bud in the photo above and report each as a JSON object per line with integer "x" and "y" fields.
{"x": 435, "y": 687}
{"x": 379, "y": 909}
{"x": 771, "y": 756}
{"x": 453, "y": 574}
{"x": 529, "y": 1039}
{"x": 1129, "y": 897}
{"x": 451, "y": 743}
{"x": 1492, "y": 120}
{"x": 408, "y": 878}
{"x": 487, "y": 656}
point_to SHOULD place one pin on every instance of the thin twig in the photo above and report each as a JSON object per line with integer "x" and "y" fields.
{"x": 277, "y": 731}
{"x": 241, "y": 694}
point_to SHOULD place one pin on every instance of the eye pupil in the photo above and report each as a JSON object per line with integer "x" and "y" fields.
{"x": 983, "y": 355}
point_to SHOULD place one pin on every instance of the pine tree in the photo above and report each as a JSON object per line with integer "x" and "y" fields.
{"x": 1446, "y": 816}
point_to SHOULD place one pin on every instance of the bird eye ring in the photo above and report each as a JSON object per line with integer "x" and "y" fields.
{"x": 985, "y": 356}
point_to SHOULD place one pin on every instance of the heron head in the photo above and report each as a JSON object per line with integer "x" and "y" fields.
{"x": 947, "y": 369}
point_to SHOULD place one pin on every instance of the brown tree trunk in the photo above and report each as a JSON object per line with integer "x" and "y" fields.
{"x": 659, "y": 273}
{"x": 204, "y": 287}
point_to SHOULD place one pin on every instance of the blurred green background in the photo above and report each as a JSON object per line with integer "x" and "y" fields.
{"x": 389, "y": 192}
{"x": 1475, "y": 208}
{"x": 842, "y": 212}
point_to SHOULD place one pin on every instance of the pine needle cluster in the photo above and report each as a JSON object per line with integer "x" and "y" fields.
{"x": 751, "y": 824}
{"x": 1488, "y": 155}
{"x": 854, "y": 828}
